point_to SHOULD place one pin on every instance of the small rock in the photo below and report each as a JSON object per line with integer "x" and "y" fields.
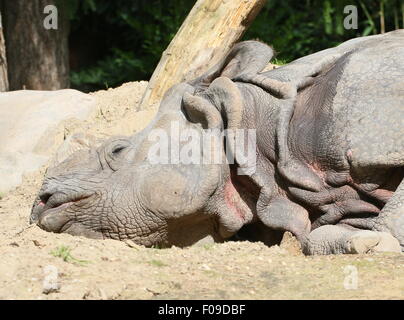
{"x": 102, "y": 294}
{"x": 50, "y": 287}
{"x": 208, "y": 240}
{"x": 50, "y": 282}
{"x": 37, "y": 243}
{"x": 205, "y": 267}
{"x": 86, "y": 295}
{"x": 153, "y": 292}
{"x": 131, "y": 244}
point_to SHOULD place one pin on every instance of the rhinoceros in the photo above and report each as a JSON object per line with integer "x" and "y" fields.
{"x": 327, "y": 162}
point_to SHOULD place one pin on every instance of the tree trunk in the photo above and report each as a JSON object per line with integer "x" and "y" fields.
{"x": 37, "y": 57}
{"x": 207, "y": 34}
{"x": 3, "y": 61}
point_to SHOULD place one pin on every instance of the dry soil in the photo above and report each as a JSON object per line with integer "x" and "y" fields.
{"x": 36, "y": 264}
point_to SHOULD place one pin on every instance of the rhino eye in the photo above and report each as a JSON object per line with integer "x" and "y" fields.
{"x": 115, "y": 153}
{"x": 117, "y": 150}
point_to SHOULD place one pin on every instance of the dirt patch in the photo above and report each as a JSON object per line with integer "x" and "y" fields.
{"x": 116, "y": 112}
{"x": 79, "y": 268}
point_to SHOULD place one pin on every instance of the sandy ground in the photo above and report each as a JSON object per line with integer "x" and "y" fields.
{"x": 36, "y": 264}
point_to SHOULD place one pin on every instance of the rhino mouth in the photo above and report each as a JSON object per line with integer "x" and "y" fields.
{"x": 47, "y": 205}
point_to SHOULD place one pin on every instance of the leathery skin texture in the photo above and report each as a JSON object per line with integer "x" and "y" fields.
{"x": 329, "y": 161}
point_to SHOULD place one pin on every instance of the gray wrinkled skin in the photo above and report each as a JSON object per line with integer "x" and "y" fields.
{"x": 329, "y": 169}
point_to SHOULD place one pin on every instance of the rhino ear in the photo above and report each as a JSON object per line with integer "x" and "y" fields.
{"x": 219, "y": 106}
{"x": 247, "y": 57}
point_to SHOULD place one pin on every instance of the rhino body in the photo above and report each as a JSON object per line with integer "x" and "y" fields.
{"x": 328, "y": 163}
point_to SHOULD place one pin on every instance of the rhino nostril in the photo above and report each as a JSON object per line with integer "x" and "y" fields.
{"x": 44, "y": 196}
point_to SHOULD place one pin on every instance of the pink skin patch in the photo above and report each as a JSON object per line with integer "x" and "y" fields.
{"x": 41, "y": 204}
{"x": 230, "y": 196}
{"x": 349, "y": 155}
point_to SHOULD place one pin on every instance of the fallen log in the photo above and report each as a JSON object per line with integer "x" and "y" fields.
{"x": 3, "y": 61}
{"x": 207, "y": 34}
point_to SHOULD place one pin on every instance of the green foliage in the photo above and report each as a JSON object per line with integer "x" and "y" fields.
{"x": 279, "y": 62}
{"x": 208, "y": 246}
{"x": 328, "y": 11}
{"x": 119, "y": 67}
{"x": 157, "y": 263}
{"x": 118, "y": 41}
{"x": 64, "y": 253}
{"x": 131, "y": 36}
{"x": 299, "y": 27}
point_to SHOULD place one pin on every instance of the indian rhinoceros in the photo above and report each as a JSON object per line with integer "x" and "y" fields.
{"x": 327, "y": 166}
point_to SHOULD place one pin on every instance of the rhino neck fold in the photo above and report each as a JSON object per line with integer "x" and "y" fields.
{"x": 277, "y": 168}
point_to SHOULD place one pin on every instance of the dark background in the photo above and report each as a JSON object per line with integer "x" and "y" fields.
{"x": 117, "y": 41}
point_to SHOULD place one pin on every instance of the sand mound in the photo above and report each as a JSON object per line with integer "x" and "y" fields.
{"x": 116, "y": 112}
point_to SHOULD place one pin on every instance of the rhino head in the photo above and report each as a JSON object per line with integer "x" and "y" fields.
{"x": 133, "y": 188}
